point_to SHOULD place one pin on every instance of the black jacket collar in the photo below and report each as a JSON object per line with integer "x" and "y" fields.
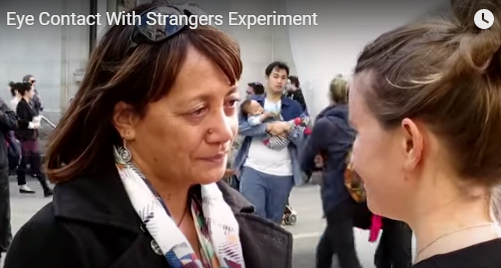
{"x": 101, "y": 198}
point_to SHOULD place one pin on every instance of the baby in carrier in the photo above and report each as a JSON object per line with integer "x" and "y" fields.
{"x": 256, "y": 115}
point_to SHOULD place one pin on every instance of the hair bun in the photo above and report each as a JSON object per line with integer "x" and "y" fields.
{"x": 464, "y": 12}
{"x": 478, "y": 50}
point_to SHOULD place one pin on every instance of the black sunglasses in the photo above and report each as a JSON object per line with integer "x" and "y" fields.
{"x": 149, "y": 28}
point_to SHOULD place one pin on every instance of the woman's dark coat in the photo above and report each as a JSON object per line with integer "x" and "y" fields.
{"x": 92, "y": 224}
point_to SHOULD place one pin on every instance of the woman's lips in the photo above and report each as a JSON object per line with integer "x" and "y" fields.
{"x": 218, "y": 158}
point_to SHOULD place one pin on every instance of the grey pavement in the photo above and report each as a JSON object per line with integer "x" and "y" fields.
{"x": 305, "y": 200}
{"x": 23, "y": 206}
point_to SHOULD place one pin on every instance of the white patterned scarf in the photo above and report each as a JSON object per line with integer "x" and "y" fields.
{"x": 222, "y": 226}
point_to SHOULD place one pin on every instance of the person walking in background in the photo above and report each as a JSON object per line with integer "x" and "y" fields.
{"x": 27, "y": 134}
{"x": 255, "y": 89}
{"x": 36, "y": 102}
{"x": 15, "y": 96}
{"x": 14, "y": 151}
{"x": 293, "y": 91}
{"x": 8, "y": 122}
{"x": 266, "y": 175}
{"x": 332, "y": 139}
{"x": 395, "y": 245}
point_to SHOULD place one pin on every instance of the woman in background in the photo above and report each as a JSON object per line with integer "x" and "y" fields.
{"x": 27, "y": 134}
{"x": 14, "y": 145}
{"x": 15, "y": 96}
{"x": 293, "y": 91}
{"x": 332, "y": 138}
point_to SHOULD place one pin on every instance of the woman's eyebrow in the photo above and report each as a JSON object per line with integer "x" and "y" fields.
{"x": 207, "y": 96}
{"x": 233, "y": 89}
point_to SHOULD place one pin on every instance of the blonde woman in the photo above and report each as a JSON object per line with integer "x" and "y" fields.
{"x": 332, "y": 138}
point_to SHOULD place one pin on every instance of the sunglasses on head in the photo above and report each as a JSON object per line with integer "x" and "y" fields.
{"x": 149, "y": 28}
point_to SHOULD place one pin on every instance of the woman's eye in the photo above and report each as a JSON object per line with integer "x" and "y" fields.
{"x": 199, "y": 112}
{"x": 233, "y": 103}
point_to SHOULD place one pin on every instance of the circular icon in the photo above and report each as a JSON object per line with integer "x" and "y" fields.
{"x": 484, "y": 19}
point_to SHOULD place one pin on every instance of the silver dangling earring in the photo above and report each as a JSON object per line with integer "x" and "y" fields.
{"x": 124, "y": 153}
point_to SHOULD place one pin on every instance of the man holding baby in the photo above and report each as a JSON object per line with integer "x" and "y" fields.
{"x": 267, "y": 174}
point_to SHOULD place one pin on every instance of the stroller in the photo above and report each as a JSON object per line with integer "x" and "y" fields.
{"x": 290, "y": 215}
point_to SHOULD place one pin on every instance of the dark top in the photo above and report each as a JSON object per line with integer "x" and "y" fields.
{"x": 37, "y": 103}
{"x": 298, "y": 96}
{"x": 332, "y": 137}
{"x": 8, "y": 122}
{"x": 91, "y": 223}
{"x": 483, "y": 255}
{"x": 25, "y": 113}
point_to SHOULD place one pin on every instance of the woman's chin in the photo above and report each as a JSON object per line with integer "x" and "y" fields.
{"x": 210, "y": 176}
{"x": 373, "y": 207}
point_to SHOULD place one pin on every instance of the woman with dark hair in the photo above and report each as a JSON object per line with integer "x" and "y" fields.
{"x": 14, "y": 147}
{"x": 293, "y": 91}
{"x": 36, "y": 102}
{"x": 255, "y": 88}
{"x": 426, "y": 103}
{"x": 138, "y": 157}
{"x": 27, "y": 134}
{"x": 15, "y": 95}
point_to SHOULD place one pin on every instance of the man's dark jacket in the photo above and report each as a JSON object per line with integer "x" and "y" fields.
{"x": 92, "y": 224}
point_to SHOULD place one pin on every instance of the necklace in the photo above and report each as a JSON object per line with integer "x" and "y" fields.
{"x": 453, "y": 232}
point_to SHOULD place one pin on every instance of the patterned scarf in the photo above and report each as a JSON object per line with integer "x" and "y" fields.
{"x": 221, "y": 228}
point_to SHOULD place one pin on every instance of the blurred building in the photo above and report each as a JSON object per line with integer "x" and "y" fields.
{"x": 57, "y": 55}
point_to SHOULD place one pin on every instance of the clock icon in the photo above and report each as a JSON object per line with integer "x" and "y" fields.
{"x": 484, "y": 19}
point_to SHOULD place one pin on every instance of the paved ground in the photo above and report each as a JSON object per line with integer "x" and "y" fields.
{"x": 305, "y": 200}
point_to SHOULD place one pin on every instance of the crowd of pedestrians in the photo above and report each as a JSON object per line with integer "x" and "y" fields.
{"x": 24, "y": 146}
{"x": 20, "y": 152}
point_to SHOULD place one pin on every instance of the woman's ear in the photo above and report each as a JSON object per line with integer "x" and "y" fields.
{"x": 125, "y": 120}
{"x": 412, "y": 143}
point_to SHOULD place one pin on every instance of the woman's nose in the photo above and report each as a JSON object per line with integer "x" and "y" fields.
{"x": 222, "y": 129}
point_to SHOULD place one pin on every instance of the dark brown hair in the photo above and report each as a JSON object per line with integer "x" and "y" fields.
{"x": 257, "y": 87}
{"x": 276, "y": 65}
{"x": 446, "y": 73}
{"x": 84, "y": 139}
{"x": 13, "y": 89}
{"x": 294, "y": 80}
{"x": 22, "y": 87}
